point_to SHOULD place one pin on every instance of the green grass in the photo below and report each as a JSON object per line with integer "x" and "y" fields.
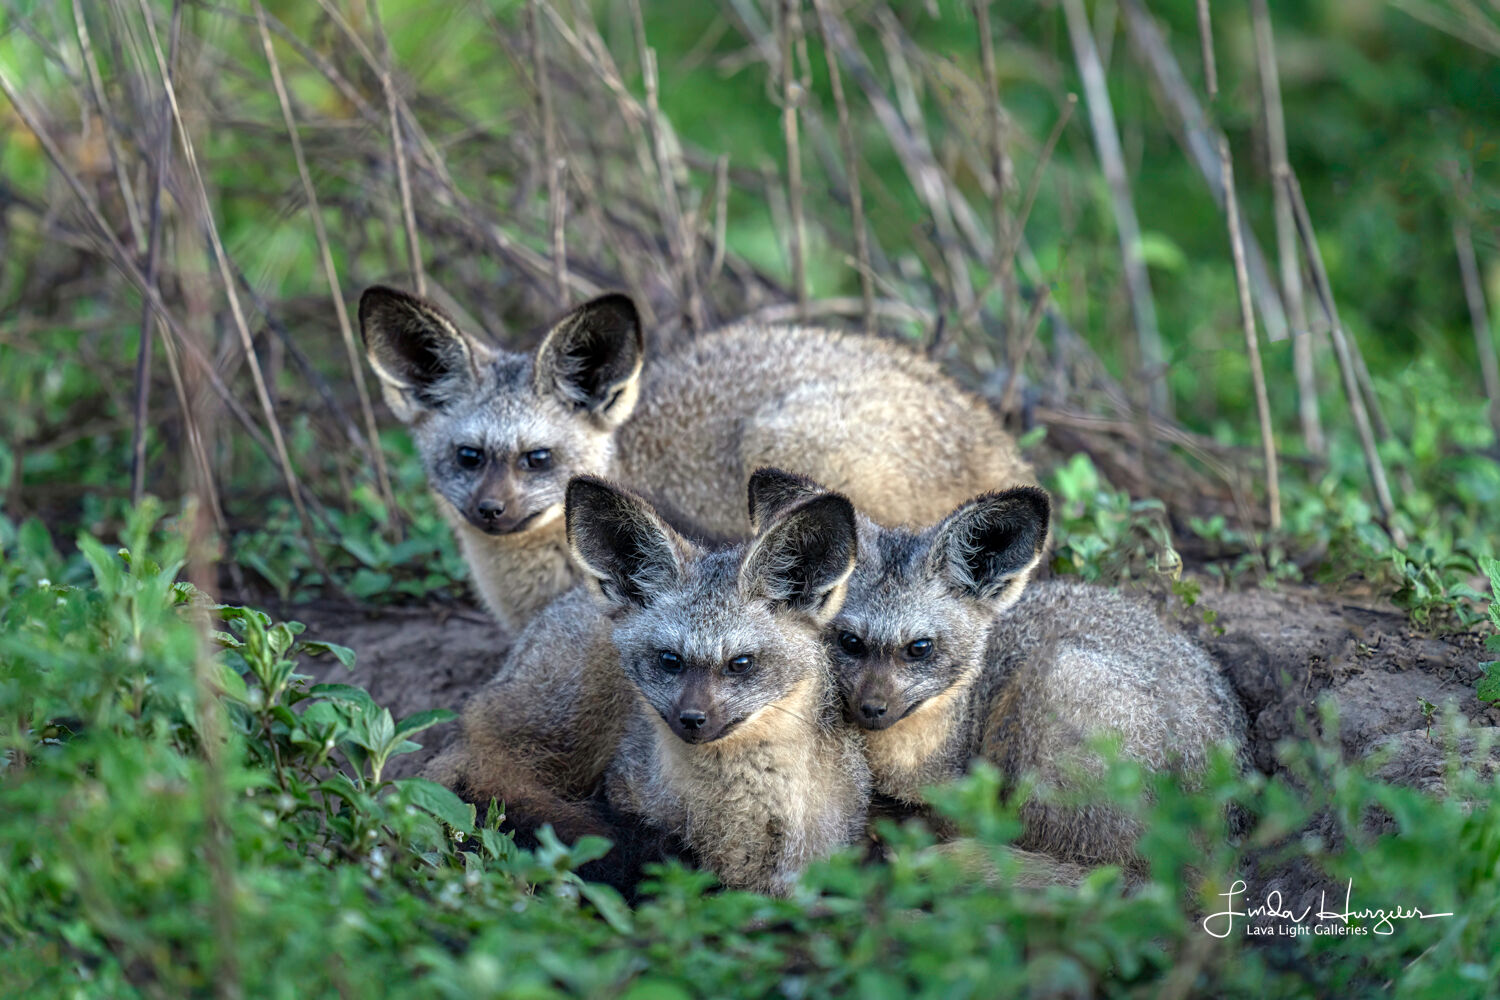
{"x": 284, "y": 864}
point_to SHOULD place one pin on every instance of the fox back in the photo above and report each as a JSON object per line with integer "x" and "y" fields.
{"x": 500, "y": 433}
{"x": 734, "y": 745}
{"x": 943, "y": 654}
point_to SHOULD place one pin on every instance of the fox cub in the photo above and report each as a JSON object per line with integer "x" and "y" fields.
{"x": 501, "y": 433}
{"x": 703, "y": 690}
{"x": 943, "y": 654}
{"x": 735, "y": 745}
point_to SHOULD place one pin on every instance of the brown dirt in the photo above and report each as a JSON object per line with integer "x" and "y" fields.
{"x": 1282, "y": 649}
{"x": 1285, "y": 650}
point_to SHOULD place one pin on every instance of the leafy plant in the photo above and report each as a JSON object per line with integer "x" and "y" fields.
{"x": 1489, "y": 685}
{"x": 1104, "y": 535}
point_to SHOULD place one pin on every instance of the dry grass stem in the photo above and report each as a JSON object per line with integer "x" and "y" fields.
{"x": 789, "y": 31}
{"x": 1023, "y": 347}
{"x": 1479, "y": 316}
{"x": 398, "y": 150}
{"x": 263, "y": 396}
{"x": 330, "y": 275}
{"x": 1206, "y": 43}
{"x": 1202, "y": 142}
{"x": 851, "y": 159}
{"x": 1286, "y": 234}
{"x": 556, "y": 198}
{"x": 1112, "y": 162}
{"x": 1342, "y": 351}
{"x": 1252, "y": 346}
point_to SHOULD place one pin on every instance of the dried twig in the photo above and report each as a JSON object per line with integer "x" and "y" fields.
{"x": 1286, "y": 233}
{"x": 1479, "y": 317}
{"x": 1252, "y": 346}
{"x": 1112, "y": 162}
{"x": 398, "y": 152}
{"x": 216, "y": 244}
{"x": 1018, "y": 233}
{"x": 851, "y": 169}
{"x": 1023, "y": 348}
{"x": 106, "y": 122}
{"x": 1206, "y": 43}
{"x": 556, "y": 199}
{"x": 330, "y": 274}
{"x": 1341, "y": 349}
{"x": 1003, "y": 259}
{"x": 1202, "y": 141}
{"x": 789, "y": 30}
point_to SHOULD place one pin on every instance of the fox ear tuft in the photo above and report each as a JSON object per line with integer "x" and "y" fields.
{"x": 773, "y": 491}
{"x": 989, "y": 546}
{"x": 421, "y": 358}
{"x": 803, "y": 557}
{"x": 622, "y": 545}
{"x": 591, "y": 360}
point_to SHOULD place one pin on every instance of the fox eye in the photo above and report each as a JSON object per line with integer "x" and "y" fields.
{"x": 851, "y": 644}
{"x": 670, "y": 662}
{"x": 740, "y": 664}
{"x": 537, "y": 460}
{"x": 469, "y": 458}
{"x": 918, "y": 649}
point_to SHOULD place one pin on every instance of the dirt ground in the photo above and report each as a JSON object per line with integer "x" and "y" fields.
{"x": 1282, "y": 649}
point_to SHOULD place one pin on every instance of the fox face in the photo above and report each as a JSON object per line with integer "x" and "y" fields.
{"x": 920, "y": 604}
{"x": 713, "y": 641}
{"x": 500, "y": 433}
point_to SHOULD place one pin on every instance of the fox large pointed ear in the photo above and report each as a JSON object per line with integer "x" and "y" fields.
{"x": 988, "y": 547}
{"x": 624, "y": 548}
{"x": 773, "y": 491}
{"x": 803, "y": 557}
{"x": 591, "y": 360}
{"x": 422, "y": 359}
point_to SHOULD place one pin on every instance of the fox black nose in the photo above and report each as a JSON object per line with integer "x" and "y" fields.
{"x": 692, "y": 721}
{"x": 490, "y": 509}
{"x": 872, "y": 710}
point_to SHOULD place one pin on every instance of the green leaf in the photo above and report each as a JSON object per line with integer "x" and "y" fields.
{"x": 439, "y": 801}
{"x": 343, "y": 654}
{"x": 345, "y": 692}
{"x": 232, "y": 684}
{"x": 1489, "y": 686}
{"x": 609, "y": 904}
{"x": 418, "y": 721}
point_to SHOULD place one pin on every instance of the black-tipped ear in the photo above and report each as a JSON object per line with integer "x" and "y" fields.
{"x": 418, "y": 353}
{"x": 621, "y": 543}
{"x": 803, "y": 558}
{"x": 591, "y": 360}
{"x": 773, "y": 491}
{"x": 989, "y": 545}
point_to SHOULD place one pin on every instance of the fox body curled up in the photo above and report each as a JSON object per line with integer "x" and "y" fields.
{"x": 501, "y": 433}
{"x": 943, "y": 654}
